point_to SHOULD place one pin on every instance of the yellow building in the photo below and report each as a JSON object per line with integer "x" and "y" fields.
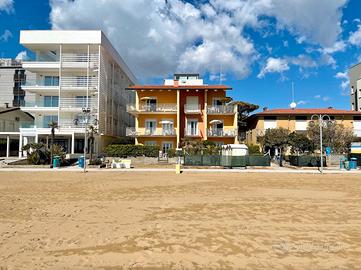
{"x": 182, "y": 108}
{"x": 297, "y": 120}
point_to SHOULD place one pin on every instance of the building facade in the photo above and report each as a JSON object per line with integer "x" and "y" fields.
{"x": 75, "y": 70}
{"x": 182, "y": 108}
{"x": 12, "y": 75}
{"x": 297, "y": 120}
{"x": 355, "y": 87}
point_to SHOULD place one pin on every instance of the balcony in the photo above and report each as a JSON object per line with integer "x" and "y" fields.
{"x": 72, "y": 60}
{"x": 40, "y": 86}
{"x": 79, "y": 83}
{"x": 192, "y": 108}
{"x": 221, "y": 132}
{"x": 143, "y": 132}
{"x": 357, "y": 132}
{"x": 14, "y": 126}
{"x": 162, "y": 108}
{"x": 63, "y": 104}
{"x": 220, "y": 109}
{"x": 39, "y": 106}
{"x": 190, "y": 132}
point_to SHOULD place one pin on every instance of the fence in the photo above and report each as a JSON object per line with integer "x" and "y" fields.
{"x": 226, "y": 161}
{"x": 306, "y": 161}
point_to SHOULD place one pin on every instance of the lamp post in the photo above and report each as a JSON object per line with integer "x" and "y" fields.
{"x": 321, "y": 119}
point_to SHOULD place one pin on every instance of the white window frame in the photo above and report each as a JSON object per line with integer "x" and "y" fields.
{"x": 145, "y": 126}
{"x": 197, "y": 127}
{"x": 167, "y": 142}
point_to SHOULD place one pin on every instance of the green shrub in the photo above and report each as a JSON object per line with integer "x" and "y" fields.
{"x": 129, "y": 150}
{"x": 253, "y": 149}
{"x": 171, "y": 153}
{"x": 39, "y": 154}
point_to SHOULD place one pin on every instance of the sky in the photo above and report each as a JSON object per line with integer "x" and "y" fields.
{"x": 258, "y": 47}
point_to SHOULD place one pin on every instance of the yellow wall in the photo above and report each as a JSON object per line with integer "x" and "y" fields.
{"x": 215, "y": 94}
{"x": 227, "y": 120}
{"x": 163, "y": 96}
{"x": 158, "y": 118}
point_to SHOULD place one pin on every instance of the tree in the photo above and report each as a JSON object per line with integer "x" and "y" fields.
{"x": 334, "y": 135}
{"x": 92, "y": 130}
{"x": 275, "y": 138}
{"x": 53, "y": 125}
{"x": 299, "y": 143}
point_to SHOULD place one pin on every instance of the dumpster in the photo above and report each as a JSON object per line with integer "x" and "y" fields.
{"x": 81, "y": 161}
{"x": 353, "y": 163}
{"x": 56, "y": 161}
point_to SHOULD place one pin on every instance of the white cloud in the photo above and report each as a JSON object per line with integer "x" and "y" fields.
{"x": 317, "y": 96}
{"x": 6, "y": 36}
{"x": 302, "y": 102}
{"x": 326, "y": 98}
{"x": 355, "y": 37}
{"x": 303, "y": 61}
{"x": 22, "y": 56}
{"x": 158, "y": 37}
{"x": 341, "y": 75}
{"x": 345, "y": 88}
{"x": 338, "y": 46}
{"x": 357, "y": 20}
{"x": 274, "y": 65}
{"x": 6, "y": 5}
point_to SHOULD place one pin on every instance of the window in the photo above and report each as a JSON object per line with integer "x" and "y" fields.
{"x": 217, "y": 129}
{"x": 51, "y": 101}
{"x": 150, "y": 127}
{"x": 47, "y": 119}
{"x": 217, "y": 102}
{"x": 192, "y": 103}
{"x": 270, "y": 122}
{"x": 167, "y": 127}
{"x": 166, "y": 146}
{"x": 51, "y": 81}
{"x": 150, "y": 143}
{"x": 151, "y": 105}
{"x": 192, "y": 127}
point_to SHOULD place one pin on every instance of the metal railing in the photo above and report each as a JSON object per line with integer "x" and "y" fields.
{"x": 41, "y": 104}
{"x": 13, "y": 126}
{"x": 39, "y": 83}
{"x": 220, "y": 109}
{"x": 192, "y": 108}
{"x": 221, "y": 132}
{"x": 77, "y": 103}
{"x": 191, "y": 132}
{"x": 132, "y": 132}
{"x": 79, "y": 82}
{"x": 82, "y": 57}
{"x": 162, "y": 107}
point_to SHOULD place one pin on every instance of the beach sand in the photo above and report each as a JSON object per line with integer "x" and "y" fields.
{"x": 124, "y": 220}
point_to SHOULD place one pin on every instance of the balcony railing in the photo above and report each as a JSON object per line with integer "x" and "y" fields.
{"x": 132, "y": 132}
{"x": 189, "y": 132}
{"x": 77, "y": 103}
{"x": 192, "y": 108}
{"x": 13, "y": 126}
{"x": 79, "y": 82}
{"x": 162, "y": 107}
{"x": 220, "y": 109}
{"x": 220, "y": 132}
{"x": 40, "y": 83}
{"x": 72, "y": 57}
{"x": 357, "y": 132}
{"x": 41, "y": 104}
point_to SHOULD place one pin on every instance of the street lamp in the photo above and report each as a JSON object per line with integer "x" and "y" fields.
{"x": 86, "y": 119}
{"x": 321, "y": 119}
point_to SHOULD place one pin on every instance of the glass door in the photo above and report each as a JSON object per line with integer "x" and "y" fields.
{"x": 167, "y": 127}
{"x": 150, "y": 127}
{"x": 192, "y": 127}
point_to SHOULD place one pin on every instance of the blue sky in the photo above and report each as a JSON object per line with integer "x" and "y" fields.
{"x": 260, "y": 46}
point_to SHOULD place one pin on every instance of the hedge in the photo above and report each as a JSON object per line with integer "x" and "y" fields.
{"x": 129, "y": 150}
{"x": 306, "y": 161}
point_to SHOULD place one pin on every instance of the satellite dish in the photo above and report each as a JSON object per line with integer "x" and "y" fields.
{"x": 293, "y": 105}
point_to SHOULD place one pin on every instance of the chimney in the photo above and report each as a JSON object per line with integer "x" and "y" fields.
{"x": 265, "y": 109}
{"x": 7, "y": 105}
{"x": 176, "y": 83}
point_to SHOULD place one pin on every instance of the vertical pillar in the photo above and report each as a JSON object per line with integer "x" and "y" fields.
{"x": 235, "y": 123}
{"x": 136, "y": 118}
{"x": 36, "y": 138}
{"x": 178, "y": 118}
{"x": 20, "y": 145}
{"x": 205, "y": 118}
{"x": 7, "y": 146}
{"x": 72, "y": 142}
{"x": 47, "y": 141}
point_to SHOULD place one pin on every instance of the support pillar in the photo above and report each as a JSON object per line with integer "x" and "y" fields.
{"x": 20, "y": 145}
{"x": 8, "y": 146}
{"x": 36, "y": 138}
{"x": 72, "y": 143}
{"x": 47, "y": 141}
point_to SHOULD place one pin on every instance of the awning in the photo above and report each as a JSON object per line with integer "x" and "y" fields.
{"x": 165, "y": 122}
{"x": 145, "y": 98}
{"x": 215, "y": 122}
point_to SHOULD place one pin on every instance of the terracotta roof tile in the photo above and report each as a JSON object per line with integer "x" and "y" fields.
{"x": 185, "y": 87}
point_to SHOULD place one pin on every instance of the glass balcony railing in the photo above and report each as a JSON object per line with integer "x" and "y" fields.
{"x": 192, "y": 108}
{"x": 40, "y": 83}
{"x": 132, "y": 132}
{"x": 220, "y": 109}
{"x": 161, "y": 107}
{"x": 221, "y": 132}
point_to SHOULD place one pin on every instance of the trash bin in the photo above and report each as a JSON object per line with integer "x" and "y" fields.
{"x": 353, "y": 163}
{"x": 347, "y": 165}
{"x": 56, "y": 161}
{"x": 81, "y": 161}
{"x": 342, "y": 163}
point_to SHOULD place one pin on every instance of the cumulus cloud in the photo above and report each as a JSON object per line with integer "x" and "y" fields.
{"x": 6, "y": 5}
{"x": 6, "y": 36}
{"x": 22, "y": 56}
{"x": 355, "y": 37}
{"x": 158, "y": 37}
{"x": 341, "y": 75}
{"x": 274, "y": 65}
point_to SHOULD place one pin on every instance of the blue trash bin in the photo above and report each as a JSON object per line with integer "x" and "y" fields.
{"x": 56, "y": 161}
{"x": 81, "y": 162}
{"x": 353, "y": 163}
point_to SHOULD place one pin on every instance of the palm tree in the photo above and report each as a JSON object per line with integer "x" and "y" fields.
{"x": 92, "y": 130}
{"x": 53, "y": 125}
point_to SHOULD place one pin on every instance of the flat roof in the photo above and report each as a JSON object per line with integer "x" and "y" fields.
{"x": 311, "y": 111}
{"x": 180, "y": 87}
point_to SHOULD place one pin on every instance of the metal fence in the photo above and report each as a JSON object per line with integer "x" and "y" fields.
{"x": 226, "y": 161}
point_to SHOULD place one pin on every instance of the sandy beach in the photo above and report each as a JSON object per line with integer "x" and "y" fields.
{"x": 123, "y": 220}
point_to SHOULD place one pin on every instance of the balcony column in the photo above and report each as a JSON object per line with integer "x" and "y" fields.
{"x": 235, "y": 123}
{"x": 7, "y": 146}
{"x": 20, "y": 145}
{"x": 72, "y": 142}
{"x": 205, "y": 137}
{"x": 178, "y": 118}
{"x": 36, "y": 138}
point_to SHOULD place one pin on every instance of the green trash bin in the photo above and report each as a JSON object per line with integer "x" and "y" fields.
{"x": 56, "y": 161}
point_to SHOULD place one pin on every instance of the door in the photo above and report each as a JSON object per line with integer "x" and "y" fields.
{"x": 51, "y": 101}
{"x": 217, "y": 129}
{"x": 167, "y": 127}
{"x": 151, "y": 105}
{"x": 192, "y": 127}
{"x": 166, "y": 146}
{"x": 150, "y": 127}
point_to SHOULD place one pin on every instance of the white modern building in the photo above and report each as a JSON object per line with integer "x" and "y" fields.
{"x": 75, "y": 70}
